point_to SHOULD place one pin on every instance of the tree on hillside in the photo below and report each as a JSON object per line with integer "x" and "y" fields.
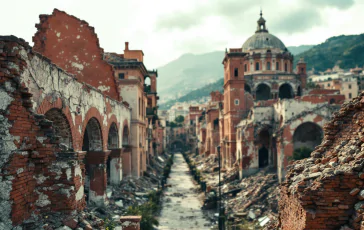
{"x": 179, "y": 119}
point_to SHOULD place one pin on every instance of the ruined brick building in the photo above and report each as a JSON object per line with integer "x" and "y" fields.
{"x": 266, "y": 110}
{"x": 70, "y": 125}
{"x": 325, "y": 191}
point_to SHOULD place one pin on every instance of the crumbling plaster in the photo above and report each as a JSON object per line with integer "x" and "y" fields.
{"x": 46, "y": 80}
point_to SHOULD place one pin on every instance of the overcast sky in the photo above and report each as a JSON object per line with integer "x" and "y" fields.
{"x": 166, "y": 29}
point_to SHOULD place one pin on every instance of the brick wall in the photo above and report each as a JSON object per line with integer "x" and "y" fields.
{"x": 74, "y": 46}
{"x": 36, "y": 174}
{"x": 325, "y": 190}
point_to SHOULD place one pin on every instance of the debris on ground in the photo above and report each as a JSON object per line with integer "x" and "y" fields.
{"x": 131, "y": 191}
{"x": 251, "y": 201}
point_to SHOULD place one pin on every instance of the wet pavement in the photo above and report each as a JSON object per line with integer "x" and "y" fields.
{"x": 181, "y": 204}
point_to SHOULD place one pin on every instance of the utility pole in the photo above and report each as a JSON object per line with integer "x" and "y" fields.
{"x": 220, "y": 208}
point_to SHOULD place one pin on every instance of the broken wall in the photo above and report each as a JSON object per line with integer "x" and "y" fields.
{"x": 74, "y": 46}
{"x": 325, "y": 191}
{"x": 37, "y": 174}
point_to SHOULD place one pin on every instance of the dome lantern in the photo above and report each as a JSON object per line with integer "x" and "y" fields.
{"x": 262, "y": 39}
{"x": 261, "y": 24}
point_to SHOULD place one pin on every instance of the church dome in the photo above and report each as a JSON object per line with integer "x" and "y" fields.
{"x": 262, "y": 39}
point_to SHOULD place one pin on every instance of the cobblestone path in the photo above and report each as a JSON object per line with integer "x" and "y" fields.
{"x": 181, "y": 206}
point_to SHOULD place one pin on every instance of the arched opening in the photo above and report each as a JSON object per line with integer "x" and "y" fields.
{"x": 113, "y": 138}
{"x": 177, "y": 146}
{"x": 264, "y": 142}
{"x": 125, "y": 135}
{"x": 61, "y": 127}
{"x": 285, "y": 67}
{"x": 92, "y": 141}
{"x": 277, "y": 65}
{"x": 247, "y": 88}
{"x": 299, "y": 91}
{"x": 307, "y": 135}
{"x": 262, "y": 92}
{"x": 332, "y": 101}
{"x": 112, "y": 143}
{"x": 257, "y": 66}
{"x": 236, "y": 72}
{"x": 268, "y": 65}
{"x": 286, "y": 91}
{"x": 147, "y": 84}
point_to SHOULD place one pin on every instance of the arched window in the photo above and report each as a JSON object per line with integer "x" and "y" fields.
{"x": 277, "y": 65}
{"x": 257, "y": 66}
{"x": 245, "y": 67}
{"x": 285, "y": 67}
{"x": 236, "y": 72}
{"x": 268, "y": 65}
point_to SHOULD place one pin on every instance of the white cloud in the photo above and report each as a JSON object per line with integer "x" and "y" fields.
{"x": 216, "y": 24}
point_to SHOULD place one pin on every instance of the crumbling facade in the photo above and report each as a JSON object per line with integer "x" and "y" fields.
{"x": 325, "y": 191}
{"x": 66, "y": 125}
{"x": 266, "y": 111}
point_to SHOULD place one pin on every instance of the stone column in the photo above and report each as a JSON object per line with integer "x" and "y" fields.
{"x": 126, "y": 161}
{"x": 130, "y": 222}
{"x": 116, "y": 173}
{"x": 67, "y": 192}
{"x": 98, "y": 178}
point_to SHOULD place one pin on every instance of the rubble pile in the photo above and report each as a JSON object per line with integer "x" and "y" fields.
{"x": 326, "y": 191}
{"x": 253, "y": 198}
{"x": 130, "y": 192}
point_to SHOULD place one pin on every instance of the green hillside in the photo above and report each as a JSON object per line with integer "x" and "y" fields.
{"x": 196, "y": 94}
{"x": 347, "y": 51}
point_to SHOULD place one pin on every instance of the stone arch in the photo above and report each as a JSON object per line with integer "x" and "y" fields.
{"x": 125, "y": 135}
{"x": 112, "y": 144}
{"x": 47, "y": 105}
{"x": 307, "y": 134}
{"x": 147, "y": 84}
{"x": 262, "y": 92}
{"x": 61, "y": 126}
{"x": 113, "y": 137}
{"x": 177, "y": 144}
{"x": 93, "y": 113}
{"x": 91, "y": 142}
{"x": 247, "y": 88}
{"x": 92, "y": 136}
{"x": 286, "y": 91}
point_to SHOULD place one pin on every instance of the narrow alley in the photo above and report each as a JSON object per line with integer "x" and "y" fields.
{"x": 181, "y": 205}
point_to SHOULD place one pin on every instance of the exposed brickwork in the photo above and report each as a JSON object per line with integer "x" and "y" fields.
{"x": 324, "y": 191}
{"x": 37, "y": 175}
{"x": 130, "y": 222}
{"x": 73, "y": 45}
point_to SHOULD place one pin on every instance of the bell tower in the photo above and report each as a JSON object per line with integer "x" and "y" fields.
{"x": 301, "y": 71}
{"x": 234, "y": 103}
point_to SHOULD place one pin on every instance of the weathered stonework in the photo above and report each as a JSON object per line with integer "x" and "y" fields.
{"x": 324, "y": 191}
{"x": 39, "y": 172}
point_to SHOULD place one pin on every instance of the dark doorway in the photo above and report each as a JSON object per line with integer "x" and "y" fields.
{"x": 286, "y": 91}
{"x": 262, "y": 92}
{"x": 263, "y": 157}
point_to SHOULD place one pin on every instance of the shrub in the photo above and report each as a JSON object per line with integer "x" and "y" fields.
{"x": 301, "y": 153}
{"x": 147, "y": 211}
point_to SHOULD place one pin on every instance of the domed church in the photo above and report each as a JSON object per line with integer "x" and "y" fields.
{"x": 267, "y": 112}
